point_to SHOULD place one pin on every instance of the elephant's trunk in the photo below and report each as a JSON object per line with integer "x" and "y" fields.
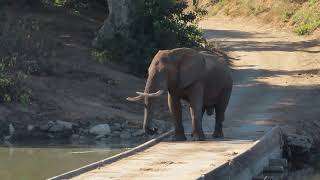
{"x": 154, "y": 88}
{"x": 147, "y": 119}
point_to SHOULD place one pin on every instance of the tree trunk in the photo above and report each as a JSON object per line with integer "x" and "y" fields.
{"x": 121, "y": 14}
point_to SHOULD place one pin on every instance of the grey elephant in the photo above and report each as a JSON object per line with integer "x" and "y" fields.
{"x": 202, "y": 79}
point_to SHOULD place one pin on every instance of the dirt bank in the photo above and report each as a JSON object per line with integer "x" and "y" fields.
{"x": 75, "y": 88}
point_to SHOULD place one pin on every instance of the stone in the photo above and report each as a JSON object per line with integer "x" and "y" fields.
{"x": 163, "y": 126}
{"x": 124, "y": 125}
{"x": 115, "y": 134}
{"x": 99, "y": 137}
{"x": 116, "y": 126}
{"x": 138, "y": 133}
{"x": 46, "y": 127}
{"x": 75, "y": 136}
{"x": 125, "y": 135}
{"x": 59, "y": 126}
{"x": 11, "y": 129}
{"x": 66, "y": 125}
{"x": 304, "y": 143}
{"x": 100, "y": 129}
{"x": 30, "y": 127}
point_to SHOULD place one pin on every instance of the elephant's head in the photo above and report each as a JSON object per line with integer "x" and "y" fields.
{"x": 169, "y": 70}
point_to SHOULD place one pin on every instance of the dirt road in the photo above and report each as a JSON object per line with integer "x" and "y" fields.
{"x": 277, "y": 75}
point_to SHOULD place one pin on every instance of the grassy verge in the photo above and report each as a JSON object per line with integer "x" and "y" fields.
{"x": 302, "y": 15}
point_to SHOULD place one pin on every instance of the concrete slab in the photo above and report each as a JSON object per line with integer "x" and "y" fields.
{"x": 171, "y": 160}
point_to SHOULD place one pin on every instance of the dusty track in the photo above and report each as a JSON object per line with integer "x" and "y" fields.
{"x": 277, "y": 75}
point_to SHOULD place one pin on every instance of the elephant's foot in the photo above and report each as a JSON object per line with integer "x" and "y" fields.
{"x": 180, "y": 137}
{"x": 198, "y": 136}
{"x": 217, "y": 134}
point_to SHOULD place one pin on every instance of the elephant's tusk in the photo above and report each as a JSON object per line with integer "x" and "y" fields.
{"x": 156, "y": 94}
{"x": 137, "y": 98}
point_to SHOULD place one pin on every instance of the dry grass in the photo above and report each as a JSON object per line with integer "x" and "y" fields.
{"x": 302, "y": 15}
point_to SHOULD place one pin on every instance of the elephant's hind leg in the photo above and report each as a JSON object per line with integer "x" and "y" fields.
{"x": 175, "y": 110}
{"x": 220, "y": 109}
{"x": 196, "y": 110}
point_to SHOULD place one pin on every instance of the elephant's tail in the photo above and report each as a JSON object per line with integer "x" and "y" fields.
{"x": 209, "y": 111}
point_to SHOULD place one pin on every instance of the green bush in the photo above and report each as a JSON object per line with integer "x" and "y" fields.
{"x": 161, "y": 24}
{"x": 306, "y": 21}
{"x": 24, "y": 51}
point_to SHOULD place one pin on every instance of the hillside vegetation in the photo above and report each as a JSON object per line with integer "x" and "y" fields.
{"x": 303, "y": 16}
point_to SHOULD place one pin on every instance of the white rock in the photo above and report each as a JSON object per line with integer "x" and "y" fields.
{"x": 11, "y": 129}
{"x": 30, "y": 127}
{"x": 100, "y": 129}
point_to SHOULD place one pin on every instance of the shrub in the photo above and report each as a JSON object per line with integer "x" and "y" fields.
{"x": 161, "y": 24}
{"x": 23, "y": 51}
{"x": 306, "y": 21}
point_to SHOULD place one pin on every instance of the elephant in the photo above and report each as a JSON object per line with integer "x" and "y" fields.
{"x": 201, "y": 78}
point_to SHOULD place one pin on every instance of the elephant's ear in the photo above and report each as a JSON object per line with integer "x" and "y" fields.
{"x": 191, "y": 69}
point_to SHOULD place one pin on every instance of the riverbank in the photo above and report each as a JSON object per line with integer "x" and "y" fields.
{"x": 69, "y": 91}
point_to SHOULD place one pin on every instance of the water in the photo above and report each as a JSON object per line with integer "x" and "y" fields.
{"x": 40, "y": 162}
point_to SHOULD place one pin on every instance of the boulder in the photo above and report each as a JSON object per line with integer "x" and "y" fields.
{"x": 138, "y": 133}
{"x": 302, "y": 142}
{"x": 59, "y": 126}
{"x": 125, "y": 135}
{"x": 100, "y": 129}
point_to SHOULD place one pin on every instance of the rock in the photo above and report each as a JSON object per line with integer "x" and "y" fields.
{"x": 115, "y": 134}
{"x": 116, "y": 126}
{"x": 83, "y": 131}
{"x": 11, "y": 129}
{"x": 138, "y": 133}
{"x": 163, "y": 126}
{"x": 59, "y": 126}
{"x": 30, "y": 127}
{"x": 100, "y": 129}
{"x": 56, "y": 126}
{"x": 302, "y": 142}
{"x": 125, "y": 135}
{"x": 66, "y": 125}
{"x": 75, "y": 136}
{"x": 124, "y": 125}
{"x": 46, "y": 127}
{"x": 7, "y": 138}
{"x": 99, "y": 137}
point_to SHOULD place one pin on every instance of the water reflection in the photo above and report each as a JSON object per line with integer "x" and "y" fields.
{"x": 40, "y": 162}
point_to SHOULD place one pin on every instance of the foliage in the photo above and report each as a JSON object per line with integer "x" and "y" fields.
{"x": 160, "y": 24}
{"x": 23, "y": 51}
{"x": 306, "y": 21}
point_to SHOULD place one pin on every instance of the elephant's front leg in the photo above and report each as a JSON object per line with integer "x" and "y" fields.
{"x": 196, "y": 110}
{"x": 175, "y": 110}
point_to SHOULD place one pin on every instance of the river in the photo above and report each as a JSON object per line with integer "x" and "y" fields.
{"x": 30, "y": 162}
